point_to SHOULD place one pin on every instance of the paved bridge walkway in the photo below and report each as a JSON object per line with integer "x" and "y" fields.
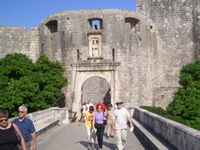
{"x": 73, "y": 137}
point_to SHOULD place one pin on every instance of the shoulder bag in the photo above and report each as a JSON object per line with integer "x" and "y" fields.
{"x": 104, "y": 121}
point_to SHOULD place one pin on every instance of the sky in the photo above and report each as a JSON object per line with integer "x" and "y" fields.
{"x": 30, "y": 13}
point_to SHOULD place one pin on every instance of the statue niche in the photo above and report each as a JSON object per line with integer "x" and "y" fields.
{"x": 94, "y": 46}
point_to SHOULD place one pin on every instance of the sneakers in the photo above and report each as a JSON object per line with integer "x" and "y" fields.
{"x": 107, "y": 137}
{"x": 112, "y": 136}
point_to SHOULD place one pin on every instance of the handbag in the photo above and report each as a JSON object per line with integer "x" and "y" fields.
{"x": 104, "y": 121}
{"x": 17, "y": 135}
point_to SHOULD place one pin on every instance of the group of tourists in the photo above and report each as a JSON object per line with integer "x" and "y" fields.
{"x": 18, "y": 134}
{"x": 97, "y": 116}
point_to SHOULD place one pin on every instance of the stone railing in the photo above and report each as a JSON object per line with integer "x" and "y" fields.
{"x": 178, "y": 135}
{"x": 46, "y": 119}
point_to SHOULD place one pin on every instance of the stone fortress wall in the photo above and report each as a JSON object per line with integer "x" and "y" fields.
{"x": 18, "y": 40}
{"x": 177, "y": 22}
{"x": 139, "y": 54}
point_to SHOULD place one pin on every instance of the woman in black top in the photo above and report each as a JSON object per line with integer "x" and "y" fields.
{"x": 8, "y": 138}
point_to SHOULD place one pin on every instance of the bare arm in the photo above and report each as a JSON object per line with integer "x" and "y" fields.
{"x": 81, "y": 121}
{"x": 22, "y": 139}
{"x": 131, "y": 124}
{"x": 93, "y": 122}
{"x": 34, "y": 141}
{"x": 113, "y": 125}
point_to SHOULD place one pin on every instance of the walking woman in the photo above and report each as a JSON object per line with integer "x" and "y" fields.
{"x": 8, "y": 138}
{"x": 98, "y": 123}
{"x": 88, "y": 124}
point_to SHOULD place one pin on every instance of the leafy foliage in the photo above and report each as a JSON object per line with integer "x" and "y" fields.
{"x": 35, "y": 85}
{"x": 186, "y": 100}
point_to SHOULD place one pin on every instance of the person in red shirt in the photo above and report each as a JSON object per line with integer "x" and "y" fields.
{"x": 103, "y": 106}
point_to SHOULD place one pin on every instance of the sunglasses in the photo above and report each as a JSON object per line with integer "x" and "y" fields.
{"x": 118, "y": 103}
{"x": 3, "y": 120}
{"x": 20, "y": 112}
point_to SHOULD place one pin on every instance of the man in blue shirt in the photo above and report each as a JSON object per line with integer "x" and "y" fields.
{"x": 26, "y": 128}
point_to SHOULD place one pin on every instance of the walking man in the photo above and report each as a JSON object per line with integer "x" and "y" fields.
{"x": 120, "y": 117}
{"x": 103, "y": 106}
{"x": 88, "y": 105}
{"x": 26, "y": 128}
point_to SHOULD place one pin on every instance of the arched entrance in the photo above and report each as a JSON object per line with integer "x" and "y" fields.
{"x": 94, "y": 89}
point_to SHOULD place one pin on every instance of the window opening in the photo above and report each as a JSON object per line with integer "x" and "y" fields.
{"x": 52, "y": 26}
{"x": 133, "y": 24}
{"x": 96, "y": 24}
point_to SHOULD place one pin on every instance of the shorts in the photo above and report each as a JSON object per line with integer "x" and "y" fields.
{"x": 109, "y": 125}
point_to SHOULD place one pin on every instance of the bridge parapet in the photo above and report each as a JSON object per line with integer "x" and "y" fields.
{"x": 176, "y": 134}
{"x": 46, "y": 119}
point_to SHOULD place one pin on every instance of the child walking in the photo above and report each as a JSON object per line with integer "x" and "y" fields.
{"x": 109, "y": 122}
{"x": 91, "y": 132}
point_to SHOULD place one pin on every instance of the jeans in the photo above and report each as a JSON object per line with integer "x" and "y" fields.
{"x": 99, "y": 133}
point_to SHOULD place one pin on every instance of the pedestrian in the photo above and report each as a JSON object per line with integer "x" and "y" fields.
{"x": 103, "y": 106}
{"x": 26, "y": 128}
{"x": 88, "y": 105}
{"x": 98, "y": 123}
{"x": 120, "y": 117}
{"x": 83, "y": 110}
{"x": 110, "y": 122}
{"x": 90, "y": 130}
{"x": 95, "y": 104}
{"x": 8, "y": 138}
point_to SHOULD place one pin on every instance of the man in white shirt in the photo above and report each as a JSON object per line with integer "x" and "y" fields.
{"x": 88, "y": 105}
{"x": 120, "y": 117}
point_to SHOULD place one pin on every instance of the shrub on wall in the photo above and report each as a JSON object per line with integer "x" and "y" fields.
{"x": 35, "y": 85}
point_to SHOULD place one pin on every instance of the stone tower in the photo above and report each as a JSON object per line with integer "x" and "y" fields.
{"x": 177, "y": 22}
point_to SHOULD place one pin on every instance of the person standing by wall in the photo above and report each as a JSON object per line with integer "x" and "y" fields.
{"x": 110, "y": 122}
{"x": 8, "y": 138}
{"x": 88, "y": 105}
{"x": 98, "y": 123}
{"x": 26, "y": 127}
{"x": 120, "y": 117}
{"x": 89, "y": 125}
{"x": 83, "y": 110}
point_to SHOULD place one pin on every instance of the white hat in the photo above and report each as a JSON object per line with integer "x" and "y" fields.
{"x": 118, "y": 101}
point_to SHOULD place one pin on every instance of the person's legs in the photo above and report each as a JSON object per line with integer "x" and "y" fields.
{"x": 123, "y": 136}
{"x": 93, "y": 137}
{"x": 101, "y": 137}
{"x": 89, "y": 134}
{"x": 119, "y": 140}
{"x": 89, "y": 137}
{"x": 98, "y": 135}
{"x": 108, "y": 131}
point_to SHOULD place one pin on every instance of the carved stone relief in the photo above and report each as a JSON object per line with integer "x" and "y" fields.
{"x": 94, "y": 46}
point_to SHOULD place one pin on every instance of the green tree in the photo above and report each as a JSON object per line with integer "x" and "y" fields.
{"x": 35, "y": 85}
{"x": 186, "y": 100}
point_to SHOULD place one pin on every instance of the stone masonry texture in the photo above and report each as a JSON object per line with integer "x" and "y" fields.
{"x": 135, "y": 57}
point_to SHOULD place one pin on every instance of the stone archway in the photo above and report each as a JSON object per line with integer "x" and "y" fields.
{"x": 94, "y": 89}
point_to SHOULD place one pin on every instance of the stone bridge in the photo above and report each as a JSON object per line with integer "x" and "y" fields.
{"x": 54, "y": 130}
